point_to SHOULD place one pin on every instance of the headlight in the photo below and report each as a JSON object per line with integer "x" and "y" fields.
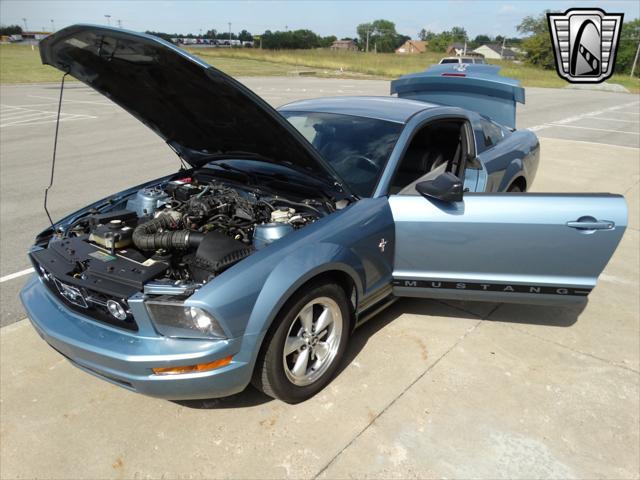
{"x": 174, "y": 319}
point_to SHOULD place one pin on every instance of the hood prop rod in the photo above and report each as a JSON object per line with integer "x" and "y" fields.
{"x": 55, "y": 146}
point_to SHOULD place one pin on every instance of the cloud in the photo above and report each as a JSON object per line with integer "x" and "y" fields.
{"x": 506, "y": 9}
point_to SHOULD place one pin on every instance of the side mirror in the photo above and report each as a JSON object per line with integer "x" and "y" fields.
{"x": 446, "y": 187}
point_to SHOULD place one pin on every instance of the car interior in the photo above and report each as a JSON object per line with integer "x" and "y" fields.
{"x": 439, "y": 146}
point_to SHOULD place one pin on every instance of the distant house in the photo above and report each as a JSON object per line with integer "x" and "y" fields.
{"x": 344, "y": 45}
{"x": 456, "y": 48}
{"x": 495, "y": 51}
{"x": 413, "y": 46}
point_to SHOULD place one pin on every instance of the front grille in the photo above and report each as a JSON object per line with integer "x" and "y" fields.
{"x": 86, "y": 301}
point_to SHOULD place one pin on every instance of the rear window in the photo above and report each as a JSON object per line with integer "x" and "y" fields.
{"x": 493, "y": 134}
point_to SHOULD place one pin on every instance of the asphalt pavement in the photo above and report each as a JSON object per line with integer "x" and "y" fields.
{"x": 430, "y": 389}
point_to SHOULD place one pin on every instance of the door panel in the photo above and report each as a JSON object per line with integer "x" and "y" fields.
{"x": 505, "y": 247}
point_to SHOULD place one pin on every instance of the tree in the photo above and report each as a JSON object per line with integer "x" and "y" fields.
{"x": 629, "y": 38}
{"x": 458, "y": 34}
{"x": 297, "y": 39}
{"x": 482, "y": 39}
{"x": 245, "y": 36}
{"x": 162, "y": 35}
{"x": 382, "y": 35}
{"x": 426, "y": 35}
{"x": 538, "y": 43}
{"x": 326, "y": 42}
{"x": 10, "y": 30}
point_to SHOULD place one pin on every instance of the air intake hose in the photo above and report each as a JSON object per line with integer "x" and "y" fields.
{"x": 147, "y": 236}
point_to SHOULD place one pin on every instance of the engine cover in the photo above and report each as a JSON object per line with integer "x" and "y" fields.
{"x": 216, "y": 253}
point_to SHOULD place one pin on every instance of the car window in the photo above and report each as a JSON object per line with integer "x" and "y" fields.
{"x": 449, "y": 60}
{"x": 493, "y": 134}
{"x": 467, "y": 60}
{"x": 356, "y": 147}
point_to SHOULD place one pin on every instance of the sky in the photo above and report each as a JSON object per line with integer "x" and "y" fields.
{"x": 328, "y": 17}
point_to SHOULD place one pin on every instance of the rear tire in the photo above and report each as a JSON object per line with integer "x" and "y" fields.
{"x": 303, "y": 349}
{"x": 515, "y": 189}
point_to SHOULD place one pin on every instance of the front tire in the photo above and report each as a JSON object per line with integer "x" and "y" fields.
{"x": 303, "y": 350}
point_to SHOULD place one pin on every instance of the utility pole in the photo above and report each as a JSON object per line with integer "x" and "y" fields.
{"x": 25, "y": 25}
{"x": 53, "y": 27}
{"x": 119, "y": 23}
{"x": 108, "y": 17}
{"x": 502, "y": 49}
{"x": 367, "y": 49}
{"x": 229, "y": 33}
{"x": 635, "y": 60}
{"x": 286, "y": 28}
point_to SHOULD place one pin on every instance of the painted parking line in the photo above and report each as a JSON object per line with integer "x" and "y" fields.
{"x": 11, "y": 115}
{"x": 616, "y": 120}
{"x": 590, "y": 128}
{"x": 55, "y": 100}
{"x": 594, "y": 143}
{"x": 19, "y": 274}
{"x": 582, "y": 116}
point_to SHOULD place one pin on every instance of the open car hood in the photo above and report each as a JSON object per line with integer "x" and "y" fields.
{"x": 198, "y": 110}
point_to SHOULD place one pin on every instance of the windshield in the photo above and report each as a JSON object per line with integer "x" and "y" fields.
{"x": 356, "y": 147}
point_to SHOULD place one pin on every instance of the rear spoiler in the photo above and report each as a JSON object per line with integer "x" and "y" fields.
{"x": 470, "y": 86}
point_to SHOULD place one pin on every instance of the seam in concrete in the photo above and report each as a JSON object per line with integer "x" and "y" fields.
{"x": 631, "y": 187}
{"x": 401, "y": 394}
{"x": 579, "y": 352}
{"x": 460, "y": 309}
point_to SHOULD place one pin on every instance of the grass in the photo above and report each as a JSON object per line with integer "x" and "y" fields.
{"x": 21, "y": 64}
{"x": 386, "y": 65}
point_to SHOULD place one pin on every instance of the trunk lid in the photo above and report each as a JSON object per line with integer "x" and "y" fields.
{"x": 473, "y": 87}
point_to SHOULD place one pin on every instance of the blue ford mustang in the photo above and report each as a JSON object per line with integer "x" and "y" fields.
{"x": 256, "y": 260}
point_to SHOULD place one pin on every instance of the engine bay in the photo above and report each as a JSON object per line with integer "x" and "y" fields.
{"x": 181, "y": 232}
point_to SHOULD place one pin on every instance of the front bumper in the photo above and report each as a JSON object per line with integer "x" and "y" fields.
{"x": 126, "y": 358}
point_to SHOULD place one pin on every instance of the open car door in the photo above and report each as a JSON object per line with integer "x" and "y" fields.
{"x": 522, "y": 248}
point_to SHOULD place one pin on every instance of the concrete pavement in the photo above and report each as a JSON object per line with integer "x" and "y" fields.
{"x": 429, "y": 389}
{"x": 103, "y": 150}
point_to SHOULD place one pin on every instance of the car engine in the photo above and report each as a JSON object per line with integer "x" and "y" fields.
{"x": 179, "y": 233}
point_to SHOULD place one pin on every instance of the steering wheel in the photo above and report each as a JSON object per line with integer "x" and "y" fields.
{"x": 363, "y": 161}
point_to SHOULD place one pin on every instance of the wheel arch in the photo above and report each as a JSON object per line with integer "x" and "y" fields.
{"x": 325, "y": 260}
{"x": 512, "y": 172}
{"x": 340, "y": 274}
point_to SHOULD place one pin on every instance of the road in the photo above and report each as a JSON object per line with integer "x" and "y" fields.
{"x": 431, "y": 388}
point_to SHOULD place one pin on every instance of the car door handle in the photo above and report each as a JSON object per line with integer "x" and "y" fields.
{"x": 594, "y": 224}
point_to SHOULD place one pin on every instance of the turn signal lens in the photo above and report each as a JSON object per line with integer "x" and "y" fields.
{"x": 200, "y": 367}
